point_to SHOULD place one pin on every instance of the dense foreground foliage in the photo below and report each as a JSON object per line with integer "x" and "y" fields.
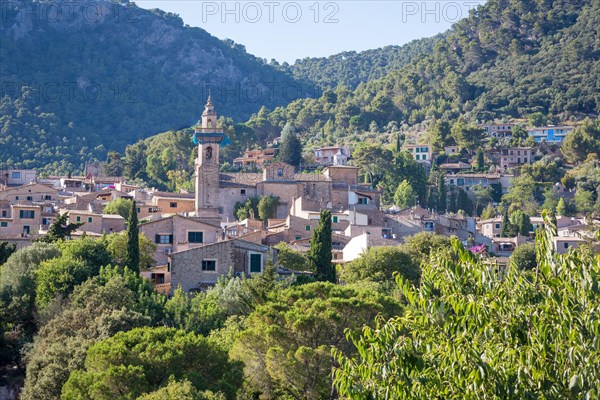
{"x": 81, "y": 325}
{"x": 468, "y": 332}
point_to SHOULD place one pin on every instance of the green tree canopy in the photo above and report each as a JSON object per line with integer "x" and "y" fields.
{"x": 80, "y": 260}
{"x": 524, "y": 256}
{"x": 115, "y": 300}
{"x": 142, "y": 360}
{"x": 286, "y": 346}
{"x": 379, "y": 264}
{"x": 405, "y": 196}
{"x": 116, "y": 244}
{"x": 515, "y": 329}
{"x": 582, "y": 141}
{"x": 118, "y": 206}
{"x": 290, "y": 259}
{"x": 267, "y": 207}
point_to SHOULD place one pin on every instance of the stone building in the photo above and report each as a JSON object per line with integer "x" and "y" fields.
{"x": 177, "y": 233}
{"x": 200, "y": 267}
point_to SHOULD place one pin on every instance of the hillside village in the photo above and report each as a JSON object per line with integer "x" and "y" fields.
{"x": 198, "y": 237}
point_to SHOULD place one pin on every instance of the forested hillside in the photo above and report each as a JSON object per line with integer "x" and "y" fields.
{"x": 507, "y": 59}
{"x": 82, "y": 78}
{"x": 350, "y": 68}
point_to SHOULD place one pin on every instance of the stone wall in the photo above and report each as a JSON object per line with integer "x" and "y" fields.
{"x": 230, "y": 255}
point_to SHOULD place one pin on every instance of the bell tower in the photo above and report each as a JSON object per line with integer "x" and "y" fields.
{"x": 208, "y": 138}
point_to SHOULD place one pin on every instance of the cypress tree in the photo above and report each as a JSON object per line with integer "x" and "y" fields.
{"x": 431, "y": 199}
{"x": 319, "y": 255}
{"x": 452, "y": 207}
{"x": 442, "y": 193}
{"x": 480, "y": 161}
{"x": 132, "y": 256}
{"x": 506, "y": 230}
{"x": 290, "y": 150}
{"x": 561, "y": 208}
{"x": 463, "y": 202}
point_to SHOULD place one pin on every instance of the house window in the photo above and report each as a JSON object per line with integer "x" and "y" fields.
{"x": 497, "y": 226}
{"x": 26, "y": 214}
{"x": 29, "y": 198}
{"x": 173, "y": 204}
{"x": 195, "y": 237}
{"x": 163, "y": 239}
{"x": 4, "y": 213}
{"x": 26, "y": 229}
{"x": 307, "y": 227}
{"x": 363, "y": 200}
{"x": 157, "y": 278}
{"x": 209, "y": 265}
{"x": 47, "y": 197}
{"x": 167, "y": 250}
{"x": 138, "y": 210}
{"x": 243, "y": 192}
{"x": 45, "y": 221}
{"x": 90, "y": 219}
{"x": 298, "y": 237}
{"x": 78, "y": 219}
{"x": 566, "y": 245}
{"x": 255, "y": 263}
{"x": 279, "y": 171}
{"x": 16, "y": 175}
{"x": 16, "y": 197}
{"x": 335, "y": 218}
{"x": 3, "y": 224}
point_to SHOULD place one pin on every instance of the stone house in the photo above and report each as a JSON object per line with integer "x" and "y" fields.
{"x": 29, "y": 192}
{"x": 96, "y": 222}
{"x": 15, "y": 177}
{"x": 199, "y": 267}
{"x": 490, "y": 227}
{"x": 327, "y": 155}
{"x": 515, "y": 156}
{"x": 177, "y": 233}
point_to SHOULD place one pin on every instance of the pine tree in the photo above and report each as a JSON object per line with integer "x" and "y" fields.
{"x": 290, "y": 150}
{"x": 132, "y": 257}
{"x": 60, "y": 229}
{"x": 319, "y": 255}
{"x": 442, "y": 193}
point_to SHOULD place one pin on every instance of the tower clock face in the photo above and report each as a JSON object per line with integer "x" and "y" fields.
{"x": 209, "y": 153}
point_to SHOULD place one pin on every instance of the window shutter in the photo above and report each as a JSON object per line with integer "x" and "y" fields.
{"x": 156, "y": 238}
{"x": 170, "y": 238}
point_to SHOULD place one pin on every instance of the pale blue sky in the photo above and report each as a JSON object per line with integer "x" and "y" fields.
{"x": 288, "y": 30}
